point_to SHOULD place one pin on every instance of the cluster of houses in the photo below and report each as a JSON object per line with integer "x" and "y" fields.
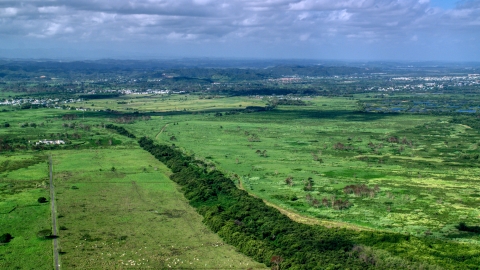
{"x": 48, "y": 142}
{"x": 44, "y": 102}
{"x": 137, "y": 92}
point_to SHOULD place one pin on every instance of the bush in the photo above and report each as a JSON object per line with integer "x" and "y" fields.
{"x": 5, "y": 238}
{"x": 42, "y": 200}
{"x": 263, "y": 233}
{"x": 45, "y": 234}
{"x": 464, "y": 227}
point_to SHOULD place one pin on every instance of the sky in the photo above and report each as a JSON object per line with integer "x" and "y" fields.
{"x": 400, "y": 30}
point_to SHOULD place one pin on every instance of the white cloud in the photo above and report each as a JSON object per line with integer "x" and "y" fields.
{"x": 331, "y": 4}
{"x": 339, "y": 15}
{"x": 284, "y": 22}
{"x": 49, "y": 9}
{"x": 8, "y": 12}
{"x": 304, "y": 37}
{"x": 180, "y": 36}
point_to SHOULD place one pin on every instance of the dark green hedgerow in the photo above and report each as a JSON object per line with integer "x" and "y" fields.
{"x": 263, "y": 233}
{"x": 256, "y": 229}
{"x": 121, "y": 130}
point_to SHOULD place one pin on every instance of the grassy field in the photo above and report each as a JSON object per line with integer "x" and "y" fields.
{"x": 164, "y": 103}
{"x": 132, "y": 215}
{"x": 116, "y": 206}
{"x": 23, "y": 179}
{"x": 409, "y": 173}
{"x": 414, "y": 168}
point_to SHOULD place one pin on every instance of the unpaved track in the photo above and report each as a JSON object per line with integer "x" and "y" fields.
{"x": 54, "y": 216}
{"x": 308, "y": 220}
{"x": 161, "y": 130}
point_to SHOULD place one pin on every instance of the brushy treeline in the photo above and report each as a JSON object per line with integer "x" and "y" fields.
{"x": 121, "y": 130}
{"x": 263, "y": 233}
{"x": 254, "y": 228}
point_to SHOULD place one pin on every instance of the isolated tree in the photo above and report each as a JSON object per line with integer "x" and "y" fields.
{"x": 276, "y": 261}
{"x": 325, "y": 202}
{"x": 5, "y": 238}
{"x": 308, "y": 198}
{"x": 308, "y": 184}
{"x": 392, "y": 139}
{"x": 289, "y": 181}
{"x": 42, "y": 200}
{"x": 339, "y": 146}
{"x": 316, "y": 203}
{"x": 45, "y": 234}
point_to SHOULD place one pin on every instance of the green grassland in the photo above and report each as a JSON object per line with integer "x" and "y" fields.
{"x": 415, "y": 174}
{"x": 116, "y": 207}
{"x": 424, "y": 167}
{"x": 164, "y": 103}
{"x": 23, "y": 180}
{"x": 132, "y": 215}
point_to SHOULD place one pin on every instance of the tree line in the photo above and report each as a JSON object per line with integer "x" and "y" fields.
{"x": 263, "y": 233}
{"x": 120, "y": 130}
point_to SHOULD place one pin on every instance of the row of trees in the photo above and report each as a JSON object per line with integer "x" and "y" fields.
{"x": 250, "y": 225}
{"x": 266, "y": 235}
{"x": 256, "y": 229}
{"x": 120, "y": 130}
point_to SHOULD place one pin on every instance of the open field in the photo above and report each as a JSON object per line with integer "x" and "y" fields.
{"x": 415, "y": 174}
{"x": 129, "y": 216}
{"x": 23, "y": 179}
{"x": 419, "y": 171}
{"x": 132, "y": 215}
{"x": 164, "y": 103}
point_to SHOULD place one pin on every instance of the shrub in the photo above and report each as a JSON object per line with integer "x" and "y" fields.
{"x": 462, "y": 226}
{"x": 5, "y": 238}
{"x": 42, "y": 200}
{"x": 45, "y": 234}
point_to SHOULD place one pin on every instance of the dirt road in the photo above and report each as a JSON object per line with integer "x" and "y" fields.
{"x": 54, "y": 216}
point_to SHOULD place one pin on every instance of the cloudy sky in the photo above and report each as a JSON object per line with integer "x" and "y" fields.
{"x": 314, "y": 29}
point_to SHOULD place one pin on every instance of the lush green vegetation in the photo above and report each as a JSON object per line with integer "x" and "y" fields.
{"x": 116, "y": 207}
{"x": 23, "y": 179}
{"x": 382, "y": 168}
{"x": 406, "y": 163}
{"x": 250, "y": 225}
{"x": 122, "y": 211}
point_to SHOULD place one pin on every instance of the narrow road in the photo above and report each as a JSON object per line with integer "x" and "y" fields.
{"x": 54, "y": 216}
{"x": 307, "y": 220}
{"x": 160, "y": 132}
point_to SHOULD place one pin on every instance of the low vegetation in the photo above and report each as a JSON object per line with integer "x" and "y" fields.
{"x": 247, "y": 223}
{"x": 382, "y": 165}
